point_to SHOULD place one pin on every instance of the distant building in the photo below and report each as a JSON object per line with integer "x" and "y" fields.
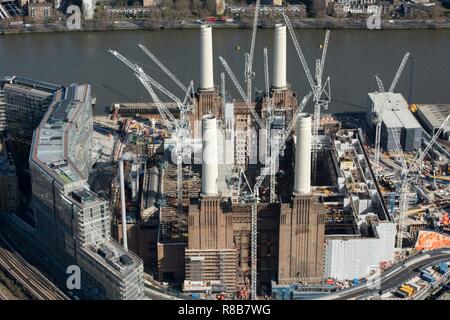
{"x": 9, "y": 194}
{"x": 217, "y": 7}
{"x": 150, "y": 3}
{"x": 432, "y": 116}
{"x": 9, "y": 9}
{"x": 39, "y": 11}
{"x": 73, "y": 224}
{"x": 396, "y": 119}
{"x": 23, "y": 103}
{"x": 298, "y": 10}
{"x": 387, "y": 8}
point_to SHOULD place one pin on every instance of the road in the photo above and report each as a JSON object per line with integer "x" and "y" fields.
{"x": 393, "y": 277}
{"x": 28, "y": 276}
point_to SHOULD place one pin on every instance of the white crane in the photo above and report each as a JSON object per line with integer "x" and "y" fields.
{"x": 320, "y": 89}
{"x": 243, "y": 95}
{"x": 249, "y": 74}
{"x": 268, "y": 135}
{"x": 405, "y": 171}
{"x": 179, "y": 128}
{"x": 277, "y": 149}
{"x": 378, "y": 113}
{"x": 189, "y": 91}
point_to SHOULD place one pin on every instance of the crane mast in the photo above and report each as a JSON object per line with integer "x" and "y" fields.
{"x": 249, "y": 74}
{"x": 321, "y": 91}
{"x": 179, "y": 128}
{"x": 378, "y": 113}
{"x": 276, "y": 150}
{"x": 268, "y": 132}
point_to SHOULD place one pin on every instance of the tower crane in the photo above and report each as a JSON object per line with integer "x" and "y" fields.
{"x": 243, "y": 95}
{"x": 179, "y": 128}
{"x": 405, "y": 171}
{"x": 378, "y": 113}
{"x": 277, "y": 149}
{"x": 189, "y": 91}
{"x": 269, "y": 120}
{"x": 320, "y": 89}
{"x": 249, "y": 74}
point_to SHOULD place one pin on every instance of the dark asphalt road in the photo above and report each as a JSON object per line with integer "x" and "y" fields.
{"x": 395, "y": 276}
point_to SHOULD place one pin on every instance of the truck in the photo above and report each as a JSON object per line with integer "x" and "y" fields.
{"x": 407, "y": 289}
{"x": 400, "y": 294}
{"x": 426, "y": 276}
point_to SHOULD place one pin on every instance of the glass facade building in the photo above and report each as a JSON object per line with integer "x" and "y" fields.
{"x": 23, "y": 103}
{"x": 72, "y": 223}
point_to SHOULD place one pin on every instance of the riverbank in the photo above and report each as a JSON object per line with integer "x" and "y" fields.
{"x": 328, "y": 23}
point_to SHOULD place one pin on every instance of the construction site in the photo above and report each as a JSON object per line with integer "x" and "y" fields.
{"x": 253, "y": 197}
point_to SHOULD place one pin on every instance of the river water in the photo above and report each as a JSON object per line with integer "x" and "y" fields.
{"x": 354, "y": 57}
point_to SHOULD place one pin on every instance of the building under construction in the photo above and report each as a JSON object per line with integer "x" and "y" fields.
{"x": 318, "y": 205}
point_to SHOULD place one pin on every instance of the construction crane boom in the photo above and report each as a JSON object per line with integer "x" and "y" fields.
{"x": 399, "y": 72}
{"x": 268, "y": 135}
{"x": 416, "y": 163}
{"x": 255, "y": 195}
{"x": 241, "y": 92}
{"x": 179, "y": 128}
{"x": 324, "y": 52}
{"x": 163, "y": 67}
{"x": 278, "y": 148}
{"x": 249, "y": 72}
{"x": 299, "y": 52}
{"x": 137, "y": 69}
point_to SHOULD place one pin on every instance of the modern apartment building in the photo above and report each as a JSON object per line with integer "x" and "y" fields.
{"x": 9, "y": 194}
{"x": 72, "y": 223}
{"x": 23, "y": 103}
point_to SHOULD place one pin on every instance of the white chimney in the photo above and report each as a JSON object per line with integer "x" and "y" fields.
{"x": 206, "y": 58}
{"x": 210, "y": 162}
{"x": 279, "y": 62}
{"x": 122, "y": 203}
{"x": 302, "y": 180}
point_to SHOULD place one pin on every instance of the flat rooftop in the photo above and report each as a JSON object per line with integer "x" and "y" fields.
{"x": 114, "y": 257}
{"x": 50, "y": 137}
{"x": 435, "y": 113}
{"x": 32, "y": 84}
{"x": 395, "y": 113}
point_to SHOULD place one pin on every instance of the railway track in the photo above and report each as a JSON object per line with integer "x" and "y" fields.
{"x": 28, "y": 276}
{"x": 3, "y": 297}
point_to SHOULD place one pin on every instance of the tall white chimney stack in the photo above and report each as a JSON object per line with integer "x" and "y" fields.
{"x": 210, "y": 160}
{"x": 206, "y": 58}
{"x": 279, "y": 65}
{"x": 302, "y": 180}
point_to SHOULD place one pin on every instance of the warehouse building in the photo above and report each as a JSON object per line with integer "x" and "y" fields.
{"x": 396, "y": 119}
{"x": 432, "y": 116}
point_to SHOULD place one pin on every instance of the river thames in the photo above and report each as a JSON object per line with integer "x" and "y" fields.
{"x": 354, "y": 57}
